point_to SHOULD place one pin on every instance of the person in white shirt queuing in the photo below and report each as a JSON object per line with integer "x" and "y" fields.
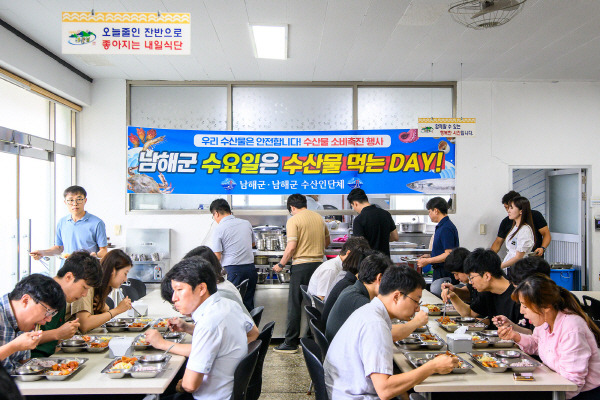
{"x": 359, "y": 362}
{"x": 326, "y": 275}
{"x": 221, "y": 333}
{"x": 520, "y": 239}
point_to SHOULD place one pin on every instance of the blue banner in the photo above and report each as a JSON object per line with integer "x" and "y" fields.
{"x": 271, "y": 162}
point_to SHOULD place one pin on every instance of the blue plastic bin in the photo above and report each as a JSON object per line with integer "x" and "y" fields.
{"x": 564, "y": 278}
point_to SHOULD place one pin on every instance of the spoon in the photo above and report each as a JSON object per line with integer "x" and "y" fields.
{"x": 163, "y": 355}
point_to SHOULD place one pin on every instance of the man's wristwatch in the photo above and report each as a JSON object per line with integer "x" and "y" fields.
{"x": 279, "y": 265}
{"x": 543, "y": 248}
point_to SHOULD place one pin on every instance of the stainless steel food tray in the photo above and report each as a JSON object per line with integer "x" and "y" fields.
{"x": 138, "y": 370}
{"x": 87, "y": 346}
{"x": 47, "y": 363}
{"x": 434, "y": 313}
{"x": 437, "y": 345}
{"x": 149, "y": 347}
{"x": 159, "y": 328}
{"x": 418, "y": 358}
{"x": 505, "y": 364}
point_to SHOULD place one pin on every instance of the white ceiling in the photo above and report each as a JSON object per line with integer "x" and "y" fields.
{"x": 342, "y": 40}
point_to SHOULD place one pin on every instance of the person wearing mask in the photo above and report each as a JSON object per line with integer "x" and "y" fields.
{"x": 494, "y": 297}
{"x": 540, "y": 228}
{"x": 445, "y": 239}
{"x": 328, "y": 274}
{"x": 455, "y": 264}
{"x": 92, "y": 310}
{"x": 359, "y": 362}
{"x": 220, "y": 335}
{"x": 232, "y": 243}
{"x": 78, "y": 231}
{"x": 79, "y": 274}
{"x": 362, "y": 292}
{"x": 520, "y": 239}
{"x": 34, "y": 301}
{"x": 373, "y": 223}
{"x": 564, "y": 337}
{"x": 307, "y": 238}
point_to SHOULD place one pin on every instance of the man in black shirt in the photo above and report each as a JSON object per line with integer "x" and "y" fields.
{"x": 485, "y": 274}
{"x": 541, "y": 231}
{"x": 353, "y": 297}
{"x": 373, "y": 223}
{"x": 455, "y": 264}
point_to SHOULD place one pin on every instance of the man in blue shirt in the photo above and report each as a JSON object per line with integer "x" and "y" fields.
{"x": 232, "y": 244}
{"x": 445, "y": 238}
{"x": 78, "y": 231}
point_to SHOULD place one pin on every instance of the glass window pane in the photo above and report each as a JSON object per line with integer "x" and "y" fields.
{"x": 291, "y": 108}
{"x": 63, "y": 125}
{"x": 179, "y": 107}
{"x": 35, "y": 204}
{"x": 63, "y": 180}
{"x": 24, "y": 111}
{"x": 564, "y": 203}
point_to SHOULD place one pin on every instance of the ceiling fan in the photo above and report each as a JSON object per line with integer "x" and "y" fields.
{"x": 483, "y": 14}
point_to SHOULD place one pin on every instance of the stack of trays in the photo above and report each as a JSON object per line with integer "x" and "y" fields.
{"x": 53, "y": 369}
{"x": 503, "y": 360}
{"x": 418, "y": 358}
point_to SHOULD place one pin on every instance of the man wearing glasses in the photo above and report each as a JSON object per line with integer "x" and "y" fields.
{"x": 494, "y": 299}
{"x": 33, "y": 301}
{"x": 78, "y": 231}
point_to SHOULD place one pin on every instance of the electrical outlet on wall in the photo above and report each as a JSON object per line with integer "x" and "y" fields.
{"x": 482, "y": 229}
{"x": 117, "y": 230}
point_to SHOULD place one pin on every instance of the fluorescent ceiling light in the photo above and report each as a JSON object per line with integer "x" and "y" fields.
{"x": 270, "y": 41}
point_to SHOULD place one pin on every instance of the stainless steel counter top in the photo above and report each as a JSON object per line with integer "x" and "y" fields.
{"x": 335, "y": 252}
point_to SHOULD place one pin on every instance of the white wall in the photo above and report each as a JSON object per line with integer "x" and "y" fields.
{"x": 518, "y": 124}
{"x": 24, "y": 60}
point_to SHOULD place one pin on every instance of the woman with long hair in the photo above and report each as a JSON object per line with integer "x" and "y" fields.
{"x": 564, "y": 337}
{"x": 92, "y": 309}
{"x": 520, "y": 239}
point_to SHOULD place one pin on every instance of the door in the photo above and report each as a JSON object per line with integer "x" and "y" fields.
{"x": 566, "y": 196}
{"x": 9, "y": 249}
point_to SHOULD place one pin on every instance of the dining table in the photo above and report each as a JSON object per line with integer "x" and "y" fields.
{"x": 90, "y": 380}
{"x": 477, "y": 379}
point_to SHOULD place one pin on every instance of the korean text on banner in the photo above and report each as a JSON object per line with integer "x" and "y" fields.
{"x": 126, "y": 33}
{"x": 272, "y": 162}
{"x": 446, "y": 127}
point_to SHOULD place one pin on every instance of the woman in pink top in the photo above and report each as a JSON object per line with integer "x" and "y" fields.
{"x": 565, "y": 338}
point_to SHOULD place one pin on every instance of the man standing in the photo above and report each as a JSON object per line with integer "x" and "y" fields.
{"x": 359, "y": 362}
{"x": 445, "y": 238}
{"x": 373, "y": 223}
{"x": 307, "y": 237}
{"x": 33, "y": 301}
{"x": 79, "y": 273}
{"x": 541, "y": 231}
{"x": 232, "y": 244}
{"x": 78, "y": 231}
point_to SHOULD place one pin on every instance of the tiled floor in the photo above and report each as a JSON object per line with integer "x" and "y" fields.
{"x": 285, "y": 377}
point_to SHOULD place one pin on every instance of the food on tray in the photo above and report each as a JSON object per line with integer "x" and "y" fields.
{"x": 489, "y": 364}
{"x": 432, "y": 308}
{"x": 124, "y": 363}
{"x": 161, "y": 324}
{"x": 137, "y": 325}
{"x": 86, "y": 338}
{"x": 63, "y": 369}
{"x": 523, "y": 363}
{"x": 446, "y": 321}
{"x": 98, "y": 345}
{"x": 144, "y": 320}
{"x": 142, "y": 341}
{"x": 428, "y": 338}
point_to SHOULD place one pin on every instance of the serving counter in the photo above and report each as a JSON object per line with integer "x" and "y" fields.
{"x": 478, "y": 380}
{"x": 89, "y": 379}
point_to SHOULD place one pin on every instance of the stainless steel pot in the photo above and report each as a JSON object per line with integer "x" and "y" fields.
{"x": 261, "y": 260}
{"x": 267, "y": 232}
{"x": 412, "y": 227}
{"x": 284, "y": 277}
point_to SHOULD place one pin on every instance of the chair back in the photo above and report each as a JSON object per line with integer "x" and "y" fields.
{"x": 416, "y": 396}
{"x": 319, "y": 305}
{"x": 244, "y": 370}
{"x": 242, "y": 287}
{"x": 130, "y": 291}
{"x": 318, "y": 330}
{"x": 591, "y": 306}
{"x": 312, "y": 312}
{"x": 110, "y": 303}
{"x": 139, "y": 286}
{"x": 256, "y": 314}
{"x": 305, "y": 296}
{"x": 312, "y": 357}
{"x": 255, "y": 385}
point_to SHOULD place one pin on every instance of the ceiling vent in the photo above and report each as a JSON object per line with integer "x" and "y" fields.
{"x": 483, "y": 14}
